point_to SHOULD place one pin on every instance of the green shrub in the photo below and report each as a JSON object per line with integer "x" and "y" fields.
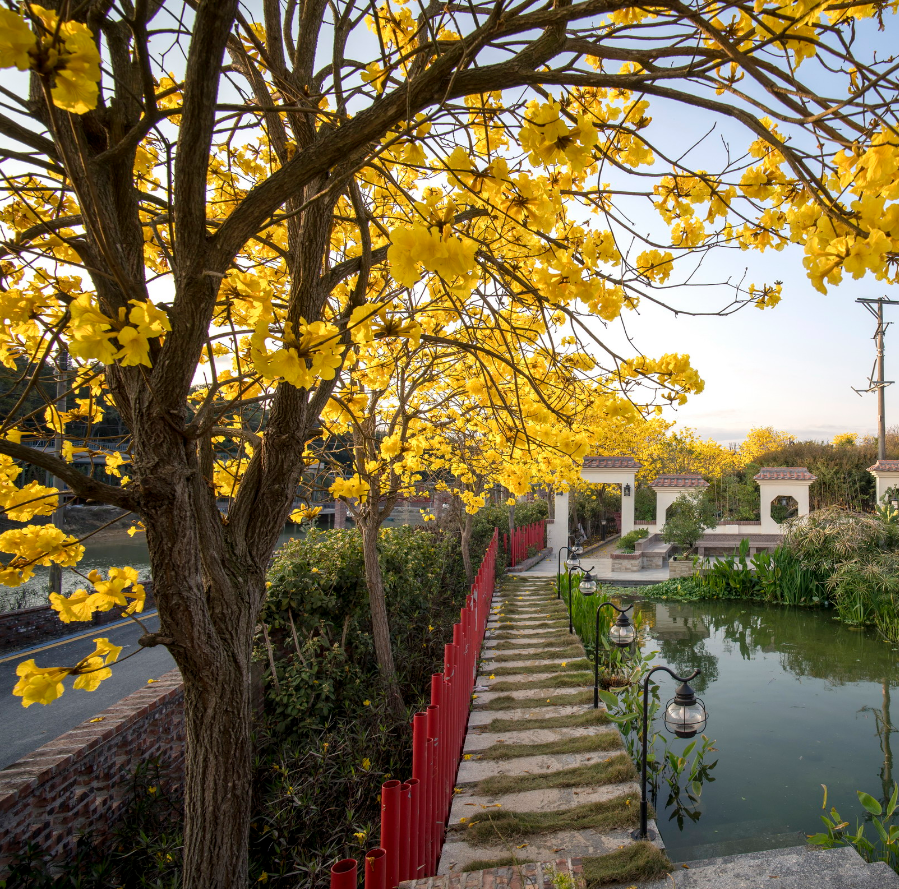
{"x": 627, "y": 541}
{"x": 320, "y": 629}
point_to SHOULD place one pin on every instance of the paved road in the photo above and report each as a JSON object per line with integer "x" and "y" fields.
{"x": 25, "y": 729}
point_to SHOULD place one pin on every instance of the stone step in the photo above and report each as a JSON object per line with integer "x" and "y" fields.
{"x": 545, "y": 800}
{"x": 798, "y": 867}
{"x": 479, "y": 718}
{"x": 457, "y": 853}
{"x": 478, "y": 741}
{"x": 473, "y": 770}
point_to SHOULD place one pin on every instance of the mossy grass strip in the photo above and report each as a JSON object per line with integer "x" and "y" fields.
{"x": 613, "y": 771}
{"x": 542, "y": 625}
{"x": 490, "y": 863}
{"x": 504, "y": 646}
{"x": 500, "y": 825}
{"x": 579, "y": 664}
{"x": 572, "y": 720}
{"x": 548, "y": 638}
{"x": 507, "y": 702}
{"x": 581, "y": 744}
{"x": 559, "y": 680}
{"x": 574, "y": 651}
{"x": 637, "y": 862}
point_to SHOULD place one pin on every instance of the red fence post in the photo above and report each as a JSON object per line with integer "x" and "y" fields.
{"x": 415, "y": 870}
{"x": 343, "y": 874}
{"x": 390, "y": 829}
{"x": 420, "y": 776}
{"x": 405, "y": 834}
{"x": 376, "y": 869}
{"x": 436, "y": 821}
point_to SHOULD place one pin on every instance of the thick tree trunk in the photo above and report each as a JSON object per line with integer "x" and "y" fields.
{"x": 218, "y": 785}
{"x": 379, "y": 621}
{"x": 467, "y": 525}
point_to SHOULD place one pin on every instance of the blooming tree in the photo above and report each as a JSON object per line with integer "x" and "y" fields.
{"x": 201, "y": 211}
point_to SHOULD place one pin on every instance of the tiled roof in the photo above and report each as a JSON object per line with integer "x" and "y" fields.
{"x": 885, "y": 465}
{"x": 686, "y": 480}
{"x": 784, "y": 474}
{"x": 611, "y": 463}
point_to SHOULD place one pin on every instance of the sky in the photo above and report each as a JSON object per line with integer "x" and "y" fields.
{"x": 792, "y": 367}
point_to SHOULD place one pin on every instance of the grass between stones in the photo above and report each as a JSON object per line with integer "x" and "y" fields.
{"x": 504, "y": 826}
{"x": 542, "y": 625}
{"x": 579, "y": 664}
{"x": 613, "y": 771}
{"x": 490, "y": 863}
{"x": 582, "y": 744}
{"x": 573, "y": 720}
{"x": 540, "y": 644}
{"x": 507, "y": 702}
{"x": 559, "y": 680}
{"x": 573, "y": 651}
{"x": 547, "y": 639}
{"x": 636, "y": 862}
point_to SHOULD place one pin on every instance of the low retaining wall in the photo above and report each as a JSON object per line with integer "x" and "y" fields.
{"x": 626, "y": 562}
{"x": 681, "y": 569}
{"x": 83, "y": 779}
{"x": 19, "y": 629}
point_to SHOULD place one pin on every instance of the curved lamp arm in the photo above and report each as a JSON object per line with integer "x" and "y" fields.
{"x": 642, "y": 833}
{"x": 596, "y": 648}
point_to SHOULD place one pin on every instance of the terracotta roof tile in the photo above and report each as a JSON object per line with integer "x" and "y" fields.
{"x": 784, "y": 474}
{"x": 885, "y": 466}
{"x": 611, "y": 463}
{"x": 685, "y": 480}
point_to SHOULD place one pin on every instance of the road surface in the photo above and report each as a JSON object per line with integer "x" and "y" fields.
{"x": 25, "y": 729}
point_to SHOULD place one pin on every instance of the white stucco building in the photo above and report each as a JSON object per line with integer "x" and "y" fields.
{"x": 782, "y": 481}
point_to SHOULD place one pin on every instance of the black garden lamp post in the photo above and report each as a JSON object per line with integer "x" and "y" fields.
{"x": 621, "y": 634}
{"x": 572, "y": 551}
{"x": 573, "y": 563}
{"x": 685, "y": 716}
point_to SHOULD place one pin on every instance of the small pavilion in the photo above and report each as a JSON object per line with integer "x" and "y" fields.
{"x": 782, "y": 481}
{"x": 886, "y": 474}
{"x": 599, "y": 471}
{"x": 669, "y": 487}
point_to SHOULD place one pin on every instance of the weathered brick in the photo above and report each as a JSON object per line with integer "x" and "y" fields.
{"x": 82, "y": 780}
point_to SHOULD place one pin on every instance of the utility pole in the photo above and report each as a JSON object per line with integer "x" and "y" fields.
{"x": 879, "y": 384}
{"x": 59, "y": 515}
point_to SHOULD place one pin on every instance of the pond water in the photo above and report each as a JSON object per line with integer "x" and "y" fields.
{"x": 132, "y": 551}
{"x": 795, "y": 700}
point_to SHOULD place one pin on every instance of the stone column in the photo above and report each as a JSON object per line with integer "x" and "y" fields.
{"x": 557, "y": 529}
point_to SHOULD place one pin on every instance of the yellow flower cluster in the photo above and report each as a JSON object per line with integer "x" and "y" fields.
{"x": 22, "y": 504}
{"x": 65, "y": 52}
{"x": 36, "y": 545}
{"x": 96, "y": 337}
{"x": 43, "y": 685}
{"x": 120, "y": 587}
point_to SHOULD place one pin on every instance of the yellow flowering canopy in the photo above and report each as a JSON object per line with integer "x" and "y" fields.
{"x": 233, "y": 234}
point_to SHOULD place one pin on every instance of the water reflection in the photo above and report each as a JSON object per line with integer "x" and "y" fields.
{"x": 795, "y": 700}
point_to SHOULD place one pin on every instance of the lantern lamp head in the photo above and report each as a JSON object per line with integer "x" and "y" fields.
{"x": 622, "y": 632}
{"x": 685, "y": 714}
{"x": 573, "y": 561}
{"x": 626, "y": 491}
{"x": 588, "y": 585}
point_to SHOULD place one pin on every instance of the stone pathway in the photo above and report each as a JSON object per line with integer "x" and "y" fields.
{"x": 546, "y": 796}
{"x": 544, "y": 775}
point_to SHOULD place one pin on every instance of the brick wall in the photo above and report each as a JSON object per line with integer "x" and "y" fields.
{"x": 83, "y": 779}
{"x": 19, "y": 629}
